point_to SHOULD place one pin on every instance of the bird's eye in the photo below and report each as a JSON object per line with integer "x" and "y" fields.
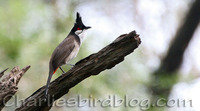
{"x": 78, "y": 28}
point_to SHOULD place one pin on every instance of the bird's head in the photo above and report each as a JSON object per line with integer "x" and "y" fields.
{"x": 79, "y": 27}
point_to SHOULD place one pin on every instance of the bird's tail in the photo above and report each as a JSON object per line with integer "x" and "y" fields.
{"x": 48, "y": 82}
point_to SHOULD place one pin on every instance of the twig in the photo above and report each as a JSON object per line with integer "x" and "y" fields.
{"x": 2, "y": 72}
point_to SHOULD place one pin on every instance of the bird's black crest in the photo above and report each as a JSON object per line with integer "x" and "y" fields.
{"x": 79, "y": 24}
{"x": 78, "y": 17}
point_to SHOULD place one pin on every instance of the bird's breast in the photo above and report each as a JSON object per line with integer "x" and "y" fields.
{"x": 73, "y": 53}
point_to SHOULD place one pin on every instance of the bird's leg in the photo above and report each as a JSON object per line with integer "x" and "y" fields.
{"x": 71, "y": 65}
{"x": 62, "y": 69}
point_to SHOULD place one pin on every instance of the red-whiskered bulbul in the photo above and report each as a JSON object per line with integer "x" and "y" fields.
{"x": 67, "y": 49}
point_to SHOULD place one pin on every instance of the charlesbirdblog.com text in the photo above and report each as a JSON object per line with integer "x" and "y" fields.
{"x": 108, "y": 101}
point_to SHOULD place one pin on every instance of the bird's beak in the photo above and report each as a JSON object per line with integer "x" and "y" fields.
{"x": 88, "y": 27}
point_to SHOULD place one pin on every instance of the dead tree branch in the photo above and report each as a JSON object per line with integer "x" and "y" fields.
{"x": 106, "y": 58}
{"x": 8, "y": 85}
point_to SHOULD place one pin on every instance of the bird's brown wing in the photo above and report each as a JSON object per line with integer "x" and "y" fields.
{"x": 62, "y": 51}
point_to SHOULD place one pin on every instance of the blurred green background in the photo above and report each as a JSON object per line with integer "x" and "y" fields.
{"x": 31, "y": 29}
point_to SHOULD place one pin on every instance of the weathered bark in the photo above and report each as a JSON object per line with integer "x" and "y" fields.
{"x": 106, "y": 58}
{"x": 8, "y": 85}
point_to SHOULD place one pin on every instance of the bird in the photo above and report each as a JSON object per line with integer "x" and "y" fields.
{"x": 67, "y": 49}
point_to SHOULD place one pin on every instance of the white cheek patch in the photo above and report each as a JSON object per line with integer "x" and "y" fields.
{"x": 78, "y": 32}
{"x": 81, "y": 34}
